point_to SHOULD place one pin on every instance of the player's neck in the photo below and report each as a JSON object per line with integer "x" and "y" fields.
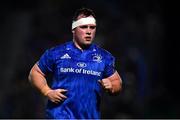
{"x": 81, "y": 47}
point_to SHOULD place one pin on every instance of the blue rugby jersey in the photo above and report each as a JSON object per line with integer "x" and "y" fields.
{"x": 78, "y": 72}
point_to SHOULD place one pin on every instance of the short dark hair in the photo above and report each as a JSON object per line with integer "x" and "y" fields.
{"x": 85, "y": 11}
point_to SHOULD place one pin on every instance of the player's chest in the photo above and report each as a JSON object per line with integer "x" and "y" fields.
{"x": 93, "y": 63}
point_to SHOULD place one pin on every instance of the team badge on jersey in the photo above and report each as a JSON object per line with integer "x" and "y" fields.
{"x": 97, "y": 58}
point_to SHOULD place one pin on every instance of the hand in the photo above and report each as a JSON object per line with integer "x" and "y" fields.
{"x": 56, "y": 95}
{"x": 106, "y": 83}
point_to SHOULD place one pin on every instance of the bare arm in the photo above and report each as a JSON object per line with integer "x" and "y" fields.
{"x": 112, "y": 83}
{"x": 38, "y": 80}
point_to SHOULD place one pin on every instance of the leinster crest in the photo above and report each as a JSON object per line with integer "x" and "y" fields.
{"x": 97, "y": 58}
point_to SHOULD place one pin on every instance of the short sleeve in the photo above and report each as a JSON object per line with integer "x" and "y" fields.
{"x": 45, "y": 62}
{"x": 109, "y": 66}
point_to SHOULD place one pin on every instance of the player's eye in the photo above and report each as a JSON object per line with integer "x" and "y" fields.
{"x": 83, "y": 26}
{"x": 92, "y": 27}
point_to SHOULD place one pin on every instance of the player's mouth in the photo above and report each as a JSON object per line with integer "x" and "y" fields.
{"x": 88, "y": 38}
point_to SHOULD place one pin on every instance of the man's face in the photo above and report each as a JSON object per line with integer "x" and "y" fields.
{"x": 84, "y": 34}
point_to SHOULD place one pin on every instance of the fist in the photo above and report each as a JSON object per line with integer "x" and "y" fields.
{"x": 106, "y": 83}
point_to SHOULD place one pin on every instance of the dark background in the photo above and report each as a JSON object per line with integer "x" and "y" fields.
{"x": 136, "y": 32}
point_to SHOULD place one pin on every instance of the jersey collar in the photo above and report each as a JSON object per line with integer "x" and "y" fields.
{"x": 71, "y": 46}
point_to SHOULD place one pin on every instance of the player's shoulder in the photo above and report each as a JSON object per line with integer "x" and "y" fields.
{"x": 59, "y": 48}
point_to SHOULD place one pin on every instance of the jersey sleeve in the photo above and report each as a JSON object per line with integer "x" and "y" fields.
{"x": 109, "y": 66}
{"x": 45, "y": 62}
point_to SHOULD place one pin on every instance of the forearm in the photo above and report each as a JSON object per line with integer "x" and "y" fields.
{"x": 38, "y": 80}
{"x": 116, "y": 83}
{"x": 116, "y": 86}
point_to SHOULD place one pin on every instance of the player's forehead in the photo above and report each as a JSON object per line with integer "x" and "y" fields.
{"x": 83, "y": 16}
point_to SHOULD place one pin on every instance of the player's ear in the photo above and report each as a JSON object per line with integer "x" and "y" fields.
{"x": 73, "y": 31}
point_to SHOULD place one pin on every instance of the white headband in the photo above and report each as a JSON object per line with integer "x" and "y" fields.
{"x": 83, "y": 21}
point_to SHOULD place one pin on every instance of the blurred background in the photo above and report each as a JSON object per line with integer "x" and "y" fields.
{"x": 134, "y": 31}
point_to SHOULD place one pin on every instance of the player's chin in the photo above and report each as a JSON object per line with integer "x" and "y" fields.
{"x": 88, "y": 42}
